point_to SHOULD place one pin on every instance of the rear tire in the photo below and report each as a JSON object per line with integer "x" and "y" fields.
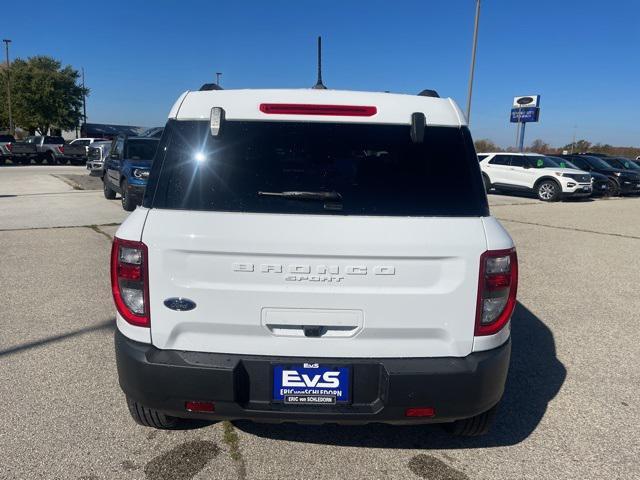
{"x": 39, "y": 160}
{"x": 128, "y": 203}
{"x": 62, "y": 161}
{"x": 51, "y": 160}
{"x": 109, "y": 193}
{"x": 474, "y": 426}
{"x": 549, "y": 191}
{"x": 149, "y": 417}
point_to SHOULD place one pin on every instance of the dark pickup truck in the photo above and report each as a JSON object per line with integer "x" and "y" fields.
{"x": 23, "y": 152}
{"x": 50, "y": 148}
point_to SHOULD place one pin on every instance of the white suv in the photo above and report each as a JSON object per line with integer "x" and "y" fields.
{"x": 534, "y": 173}
{"x": 314, "y": 256}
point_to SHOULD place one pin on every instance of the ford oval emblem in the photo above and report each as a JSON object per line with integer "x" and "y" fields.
{"x": 180, "y": 304}
{"x": 524, "y": 100}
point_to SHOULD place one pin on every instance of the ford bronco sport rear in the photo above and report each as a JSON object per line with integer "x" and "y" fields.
{"x": 305, "y": 256}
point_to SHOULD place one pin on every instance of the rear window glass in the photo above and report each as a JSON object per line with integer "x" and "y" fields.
{"x": 7, "y": 138}
{"x": 368, "y": 169}
{"x": 140, "y": 149}
{"x": 82, "y": 143}
{"x": 53, "y": 140}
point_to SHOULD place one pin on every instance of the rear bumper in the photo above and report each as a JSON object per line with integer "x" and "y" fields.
{"x": 382, "y": 389}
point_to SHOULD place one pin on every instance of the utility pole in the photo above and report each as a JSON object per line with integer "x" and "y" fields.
{"x": 473, "y": 60}
{"x": 84, "y": 104}
{"x": 218, "y": 75}
{"x": 6, "y": 44}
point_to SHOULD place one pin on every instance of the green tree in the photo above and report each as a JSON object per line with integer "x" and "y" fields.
{"x": 44, "y": 94}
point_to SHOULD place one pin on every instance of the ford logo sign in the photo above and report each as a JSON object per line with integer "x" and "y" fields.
{"x": 179, "y": 304}
{"x": 525, "y": 100}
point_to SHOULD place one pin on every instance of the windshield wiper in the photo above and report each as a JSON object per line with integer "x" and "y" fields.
{"x": 304, "y": 195}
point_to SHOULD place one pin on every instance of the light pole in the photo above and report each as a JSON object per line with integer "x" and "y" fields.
{"x": 84, "y": 104}
{"x": 6, "y": 44}
{"x": 473, "y": 60}
{"x": 218, "y": 75}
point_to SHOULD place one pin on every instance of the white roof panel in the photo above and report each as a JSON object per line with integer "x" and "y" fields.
{"x": 391, "y": 108}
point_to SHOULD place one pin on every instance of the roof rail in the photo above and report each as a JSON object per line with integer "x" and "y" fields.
{"x": 429, "y": 93}
{"x": 210, "y": 86}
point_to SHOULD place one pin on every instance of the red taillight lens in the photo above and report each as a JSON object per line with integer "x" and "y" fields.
{"x": 129, "y": 281}
{"x": 497, "y": 288}
{"x": 200, "y": 406}
{"x": 308, "y": 109}
{"x": 420, "y": 412}
{"x": 9, "y": 146}
{"x": 61, "y": 149}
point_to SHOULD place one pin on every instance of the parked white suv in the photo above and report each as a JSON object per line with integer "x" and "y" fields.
{"x": 534, "y": 173}
{"x": 314, "y": 256}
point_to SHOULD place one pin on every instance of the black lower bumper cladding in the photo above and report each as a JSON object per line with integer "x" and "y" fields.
{"x": 382, "y": 389}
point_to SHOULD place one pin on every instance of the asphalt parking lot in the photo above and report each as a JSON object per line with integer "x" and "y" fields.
{"x": 571, "y": 408}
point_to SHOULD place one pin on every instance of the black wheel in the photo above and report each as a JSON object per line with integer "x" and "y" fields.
{"x": 2, "y": 160}
{"x": 150, "y": 417}
{"x": 474, "y": 426}
{"x": 549, "y": 191}
{"x": 128, "y": 203}
{"x": 25, "y": 160}
{"x": 487, "y": 183}
{"x": 614, "y": 188}
{"x": 39, "y": 160}
{"x": 51, "y": 160}
{"x": 109, "y": 193}
{"x": 62, "y": 161}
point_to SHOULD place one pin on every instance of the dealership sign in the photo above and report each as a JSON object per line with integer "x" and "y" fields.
{"x": 525, "y": 109}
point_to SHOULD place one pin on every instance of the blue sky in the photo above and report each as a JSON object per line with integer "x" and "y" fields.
{"x": 581, "y": 56}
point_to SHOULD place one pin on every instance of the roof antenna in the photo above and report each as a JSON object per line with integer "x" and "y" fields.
{"x": 319, "y": 84}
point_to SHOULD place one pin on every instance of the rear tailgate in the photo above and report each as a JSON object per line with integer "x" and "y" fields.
{"x": 76, "y": 151}
{"x": 371, "y": 286}
{"x": 24, "y": 149}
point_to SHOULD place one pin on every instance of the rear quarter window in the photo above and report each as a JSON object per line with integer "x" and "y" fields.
{"x": 375, "y": 169}
{"x": 500, "y": 160}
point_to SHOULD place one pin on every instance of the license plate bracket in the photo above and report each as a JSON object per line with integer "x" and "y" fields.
{"x": 311, "y": 384}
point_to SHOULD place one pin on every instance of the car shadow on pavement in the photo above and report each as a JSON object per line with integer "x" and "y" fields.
{"x": 535, "y": 378}
{"x": 533, "y": 196}
{"x": 105, "y": 325}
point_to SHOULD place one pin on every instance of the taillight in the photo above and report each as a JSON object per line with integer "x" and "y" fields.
{"x": 129, "y": 281}
{"x": 313, "y": 109}
{"x": 497, "y": 287}
{"x": 61, "y": 148}
{"x": 9, "y": 146}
